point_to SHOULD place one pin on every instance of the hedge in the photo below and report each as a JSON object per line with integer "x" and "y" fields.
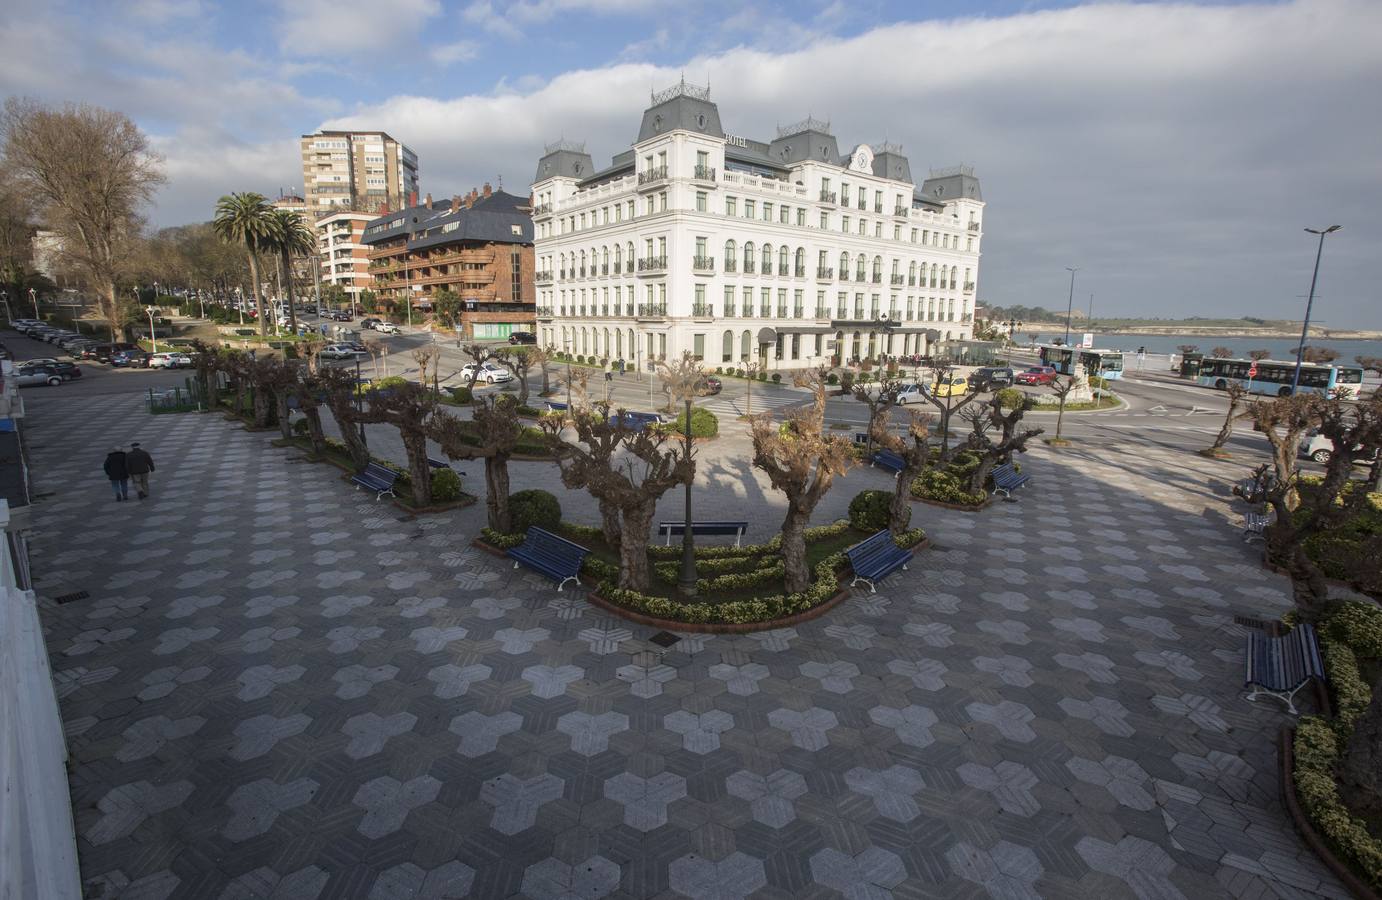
{"x": 704, "y": 423}
{"x": 869, "y": 510}
{"x": 534, "y": 507}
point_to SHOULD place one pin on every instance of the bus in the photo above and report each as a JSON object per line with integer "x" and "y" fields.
{"x": 1103, "y": 363}
{"x": 1274, "y": 376}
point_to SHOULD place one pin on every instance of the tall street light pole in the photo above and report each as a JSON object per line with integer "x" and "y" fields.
{"x": 1070, "y": 306}
{"x": 153, "y": 335}
{"x": 1305, "y": 329}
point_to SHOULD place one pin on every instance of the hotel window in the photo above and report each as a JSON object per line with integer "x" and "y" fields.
{"x": 969, "y": 245}
{"x": 878, "y": 201}
{"x": 731, "y": 206}
{"x": 801, "y": 216}
{"x": 825, "y": 221}
{"x": 618, "y": 213}
{"x": 650, "y": 206}
{"x": 662, "y": 159}
{"x": 844, "y": 194}
{"x": 604, "y": 215}
{"x": 767, "y": 211}
{"x": 662, "y": 202}
{"x": 698, "y": 346}
{"x": 700, "y": 201}
{"x": 748, "y": 303}
{"x": 583, "y": 221}
{"x": 784, "y": 214}
{"x": 629, "y": 206}
{"x": 729, "y": 301}
{"x": 844, "y": 224}
{"x": 914, "y": 235}
{"x": 897, "y": 232}
{"x": 819, "y": 344}
{"x": 750, "y": 209}
{"x": 796, "y": 346}
{"x": 702, "y": 161}
{"x": 662, "y": 248}
{"x": 925, "y": 238}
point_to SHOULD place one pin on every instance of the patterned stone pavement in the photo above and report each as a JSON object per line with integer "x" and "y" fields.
{"x": 278, "y": 688}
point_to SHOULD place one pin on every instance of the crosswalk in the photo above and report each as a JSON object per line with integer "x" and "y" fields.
{"x": 733, "y": 407}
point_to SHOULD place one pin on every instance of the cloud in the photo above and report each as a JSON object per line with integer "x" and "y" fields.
{"x": 333, "y": 27}
{"x": 504, "y": 19}
{"x": 1173, "y": 152}
{"x": 450, "y": 54}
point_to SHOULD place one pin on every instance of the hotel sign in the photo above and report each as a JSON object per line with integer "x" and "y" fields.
{"x": 735, "y": 140}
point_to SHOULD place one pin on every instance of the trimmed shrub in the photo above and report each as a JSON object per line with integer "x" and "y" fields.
{"x": 446, "y": 486}
{"x": 462, "y": 394}
{"x": 868, "y": 511}
{"x": 534, "y": 507}
{"x": 1011, "y": 398}
{"x": 704, "y": 423}
{"x": 762, "y": 376}
{"x": 300, "y": 428}
{"x": 832, "y": 379}
{"x": 777, "y": 378}
{"x": 1360, "y": 626}
{"x": 1317, "y": 749}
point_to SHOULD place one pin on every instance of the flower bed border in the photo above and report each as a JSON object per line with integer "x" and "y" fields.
{"x": 466, "y": 498}
{"x": 988, "y": 501}
{"x": 820, "y": 609}
{"x": 1306, "y": 828}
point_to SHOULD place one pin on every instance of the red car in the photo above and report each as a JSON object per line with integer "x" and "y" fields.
{"x": 1037, "y": 375}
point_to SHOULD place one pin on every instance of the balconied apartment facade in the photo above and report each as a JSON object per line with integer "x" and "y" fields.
{"x": 479, "y": 246}
{"x": 344, "y": 255}
{"x": 788, "y": 253}
{"x": 360, "y": 170}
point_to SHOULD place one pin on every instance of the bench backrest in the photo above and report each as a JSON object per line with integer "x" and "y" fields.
{"x": 704, "y": 527}
{"x": 1286, "y": 661}
{"x": 374, "y": 470}
{"x": 546, "y": 542}
{"x": 1004, "y": 471}
{"x": 556, "y": 407}
{"x": 890, "y": 458}
{"x": 880, "y": 543}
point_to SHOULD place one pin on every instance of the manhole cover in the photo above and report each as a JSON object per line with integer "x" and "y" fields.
{"x": 68, "y": 598}
{"x": 664, "y": 639}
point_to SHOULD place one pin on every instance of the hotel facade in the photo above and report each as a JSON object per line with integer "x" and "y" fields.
{"x": 785, "y": 253}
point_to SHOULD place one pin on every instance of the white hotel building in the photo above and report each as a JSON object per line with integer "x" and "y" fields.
{"x": 788, "y": 252}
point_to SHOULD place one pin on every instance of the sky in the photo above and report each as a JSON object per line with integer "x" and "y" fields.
{"x": 1173, "y": 152}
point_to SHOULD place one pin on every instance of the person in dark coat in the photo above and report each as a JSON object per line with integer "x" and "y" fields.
{"x": 140, "y": 464}
{"x": 118, "y": 473}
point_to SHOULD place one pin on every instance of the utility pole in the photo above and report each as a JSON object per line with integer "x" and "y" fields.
{"x": 1070, "y": 304}
{"x": 1305, "y": 329}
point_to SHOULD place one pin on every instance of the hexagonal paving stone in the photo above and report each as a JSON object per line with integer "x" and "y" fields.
{"x": 740, "y": 680}
{"x": 836, "y": 676}
{"x": 453, "y": 681}
{"x": 868, "y": 875}
{"x": 548, "y": 682}
{"x": 1107, "y": 714}
{"x": 1010, "y": 784}
{"x": 927, "y": 674}
{"x": 258, "y": 804}
{"x": 480, "y": 733}
{"x": 891, "y": 790}
{"x": 808, "y": 729}
{"x": 912, "y": 723}
{"x": 257, "y": 682}
{"x": 699, "y": 733}
{"x": 369, "y": 732}
{"x": 553, "y": 879}
{"x": 1006, "y": 870}
{"x": 257, "y": 736}
{"x": 266, "y": 884}
{"x": 770, "y": 796}
{"x": 1142, "y": 865}
{"x": 408, "y": 881}
{"x": 645, "y": 800}
{"x": 516, "y": 801}
{"x": 387, "y": 802}
{"x": 147, "y": 736}
{"x": 732, "y": 878}
{"x": 356, "y": 681}
{"x": 124, "y": 808}
{"x": 646, "y": 681}
{"x": 590, "y": 734}
{"x": 1009, "y": 717}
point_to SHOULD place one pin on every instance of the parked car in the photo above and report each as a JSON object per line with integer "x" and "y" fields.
{"x": 130, "y": 359}
{"x": 39, "y": 361}
{"x": 340, "y": 315}
{"x": 1319, "y": 448}
{"x": 386, "y": 328}
{"x": 1037, "y": 375}
{"x": 522, "y": 337}
{"x": 67, "y": 370}
{"x": 170, "y": 361}
{"x": 708, "y": 386}
{"x": 338, "y": 351}
{"x": 27, "y": 376}
{"x": 991, "y": 378}
{"x": 369, "y": 322}
{"x": 909, "y": 393}
{"x": 487, "y": 372}
{"x": 950, "y": 386}
{"x": 102, "y": 352}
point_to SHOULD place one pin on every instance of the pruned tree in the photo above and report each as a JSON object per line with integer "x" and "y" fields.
{"x": 339, "y": 393}
{"x": 409, "y": 408}
{"x": 264, "y": 373}
{"x": 1284, "y": 422}
{"x": 1236, "y": 393}
{"x": 914, "y": 446}
{"x": 542, "y": 358}
{"x": 629, "y": 470}
{"x": 309, "y": 390}
{"x": 90, "y": 170}
{"x": 374, "y": 346}
{"x": 1010, "y": 439}
{"x": 802, "y": 460}
{"x": 1369, "y": 363}
{"x": 1256, "y": 355}
{"x": 880, "y": 405}
{"x": 1221, "y": 352}
{"x": 279, "y": 381}
{"x": 947, "y": 406}
{"x": 428, "y": 359}
{"x": 206, "y": 358}
{"x": 1062, "y": 390}
{"x": 491, "y": 435}
{"x": 518, "y": 360}
{"x": 1318, "y": 354}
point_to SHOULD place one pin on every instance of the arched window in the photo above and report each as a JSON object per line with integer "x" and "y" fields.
{"x": 896, "y": 268}
{"x": 618, "y": 343}
{"x": 618, "y": 257}
{"x": 731, "y": 255}
{"x": 933, "y": 274}
{"x": 801, "y": 260}
{"x": 878, "y": 268}
{"x": 628, "y": 255}
{"x": 562, "y": 270}
{"x": 604, "y": 260}
{"x": 954, "y": 275}
{"x": 860, "y": 264}
{"x": 727, "y": 350}
{"x": 582, "y": 262}
{"x": 607, "y": 350}
{"x": 744, "y": 346}
{"x": 767, "y": 259}
{"x": 854, "y": 354}
{"x": 844, "y": 265}
{"x": 585, "y": 342}
{"x": 748, "y": 256}
{"x": 782, "y": 258}
{"x": 912, "y": 273}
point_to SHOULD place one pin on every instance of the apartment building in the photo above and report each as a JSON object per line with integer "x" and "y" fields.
{"x": 479, "y": 246}
{"x": 786, "y": 252}
{"x": 344, "y": 254}
{"x": 356, "y": 170}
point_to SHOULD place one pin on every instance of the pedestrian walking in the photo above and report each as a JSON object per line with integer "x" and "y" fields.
{"x": 118, "y": 473}
{"x": 621, "y": 367}
{"x": 139, "y": 464}
{"x": 609, "y": 371}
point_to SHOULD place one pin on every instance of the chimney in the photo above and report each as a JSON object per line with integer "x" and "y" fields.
{"x": 488, "y": 191}
{"x": 455, "y": 202}
{"x": 469, "y": 199}
{"x": 429, "y": 199}
{"x": 412, "y": 198}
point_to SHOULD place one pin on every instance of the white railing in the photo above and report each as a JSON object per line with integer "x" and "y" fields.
{"x": 38, "y": 847}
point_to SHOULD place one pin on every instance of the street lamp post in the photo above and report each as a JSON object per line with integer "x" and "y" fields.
{"x": 358, "y": 407}
{"x": 1012, "y": 324}
{"x": 1070, "y": 306}
{"x": 566, "y": 343}
{"x": 153, "y": 336}
{"x": 1310, "y": 302}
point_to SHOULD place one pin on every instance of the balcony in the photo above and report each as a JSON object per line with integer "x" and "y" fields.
{"x": 800, "y": 272}
{"x": 825, "y": 273}
{"x": 877, "y": 277}
{"x": 828, "y": 197}
{"x": 822, "y": 312}
{"x": 604, "y": 268}
{"x": 542, "y": 210}
{"x": 783, "y": 269}
{"x": 967, "y": 318}
{"x": 652, "y": 310}
{"x": 782, "y": 312}
{"x": 797, "y": 312}
{"x": 703, "y": 173}
{"x": 702, "y": 310}
{"x": 763, "y": 311}
{"x": 582, "y": 271}
{"x": 703, "y": 263}
{"x": 729, "y": 310}
{"x": 898, "y": 280}
{"x": 617, "y": 267}
{"x": 652, "y": 265}
{"x": 973, "y": 226}
{"x": 544, "y": 312}
{"x": 844, "y": 276}
{"x": 652, "y": 177}
{"x": 878, "y": 208}
{"x": 969, "y": 287}
{"x": 912, "y": 281}
{"x": 731, "y": 265}
{"x": 902, "y": 211}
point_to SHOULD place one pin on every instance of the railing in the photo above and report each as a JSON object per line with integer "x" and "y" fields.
{"x": 763, "y": 311}
{"x": 911, "y": 281}
{"x": 858, "y": 314}
{"x": 652, "y": 310}
{"x": 703, "y": 310}
{"x": 782, "y": 269}
{"x": 748, "y": 267}
{"x": 877, "y": 278}
{"x": 604, "y": 268}
{"x": 703, "y": 263}
{"x": 582, "y": 271}
{"x": 782, "y": 312}
{"x": 901, "y": 210}
{"x": 840, "y": 313}
{"x": 825, "y": 272}
{"x": 617, "y": 268}
{"x": 562, "y": 274}
{"x": 652, "y": 176}
{"x": 800, "y": 272}
{"x": 729, "y": 310}
{"x": 703, "y": 173}
{"x": 973, "y": 226}
{"x": 828, "y": 197}
{"x": 822, "y": 312}
{"x": 898, "y": 279}
{"x": 651, "y": 264}
{"x": 969, "y": 287}
{"x": 878, "y": 208}
{"x": 863, "y": 203}
{"x": 731, "y": 265}
{"x": 542, "y": 209}
{"x": 967, "y": 317}
{"x": 844, "y": 275}
{"x": 797, "y": 312}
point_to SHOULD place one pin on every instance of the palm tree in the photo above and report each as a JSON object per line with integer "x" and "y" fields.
{"x": 292, "y": 237}
{"x": 246, "y": 219}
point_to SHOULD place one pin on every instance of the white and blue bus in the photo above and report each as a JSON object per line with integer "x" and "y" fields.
{"x": 1103, "y": 363}
{"x": 1273, "y": 377}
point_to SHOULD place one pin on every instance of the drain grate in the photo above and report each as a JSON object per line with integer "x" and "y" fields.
{"x": 68, "y": 598}
{"x": 1250, "y": 622}
{"x": 664, "y": 639}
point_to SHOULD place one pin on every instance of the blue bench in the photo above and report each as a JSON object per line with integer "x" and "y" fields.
{"x": 889, "y": 460}
{"x": 636, "y": 421}
{"x": 875, "y": 558}
{"x": 1280, "y": 666}
{"x": 557, "y": 407}
{"x": 553, "y": 556}
{"x": 667, "y": 529}
{"x": 376, "y": 478}
{"x": 1006, "y": 479}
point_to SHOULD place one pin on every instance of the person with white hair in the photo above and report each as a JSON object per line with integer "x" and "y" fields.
{"x": 140, "y": 464}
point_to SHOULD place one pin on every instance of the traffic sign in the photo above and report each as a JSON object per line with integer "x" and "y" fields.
{"x": 1252, "y": 370}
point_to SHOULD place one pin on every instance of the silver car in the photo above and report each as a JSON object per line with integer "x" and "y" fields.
{"x": 27, "y": 376}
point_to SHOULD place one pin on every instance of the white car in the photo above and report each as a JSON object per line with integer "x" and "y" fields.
{"x": 386, "y": 327}
{"x": 338, "y": 351}
{"x": 170, "y": 361}
{"x": 488, "y": 373}
{"x": 910, "y": 393}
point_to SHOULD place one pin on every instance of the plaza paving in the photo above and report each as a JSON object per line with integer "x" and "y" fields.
{"x": 280, "y": 688}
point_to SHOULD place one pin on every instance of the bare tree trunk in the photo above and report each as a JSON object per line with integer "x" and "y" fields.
{"x": 350, "y": 434}
{"x": 114, "y": 309}
{"x": 497, "y": 493}
{"x": 314, "y": 429}
{"x": 415, "y": 445}
{"x": 292, "y": 312}
{"x": 261, "y": 407}
{"x": 546, "y": 380}
{"x": 1226, "y": 431}
{"x": 281, "y": 401}
{"x": 1374, "y": 481}
{"x": 609, "y": 522}
{"x": 523, "y": 388}
{"x": 797, "y": 575}
{"x": 633, "y": 545}
{"x": 1360, "y": 770}
{"x": 258, "y": 295}
{"x": 978, "y": 479}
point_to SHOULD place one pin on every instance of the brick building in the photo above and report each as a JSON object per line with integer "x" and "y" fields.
{"x": 479, "y": 246}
